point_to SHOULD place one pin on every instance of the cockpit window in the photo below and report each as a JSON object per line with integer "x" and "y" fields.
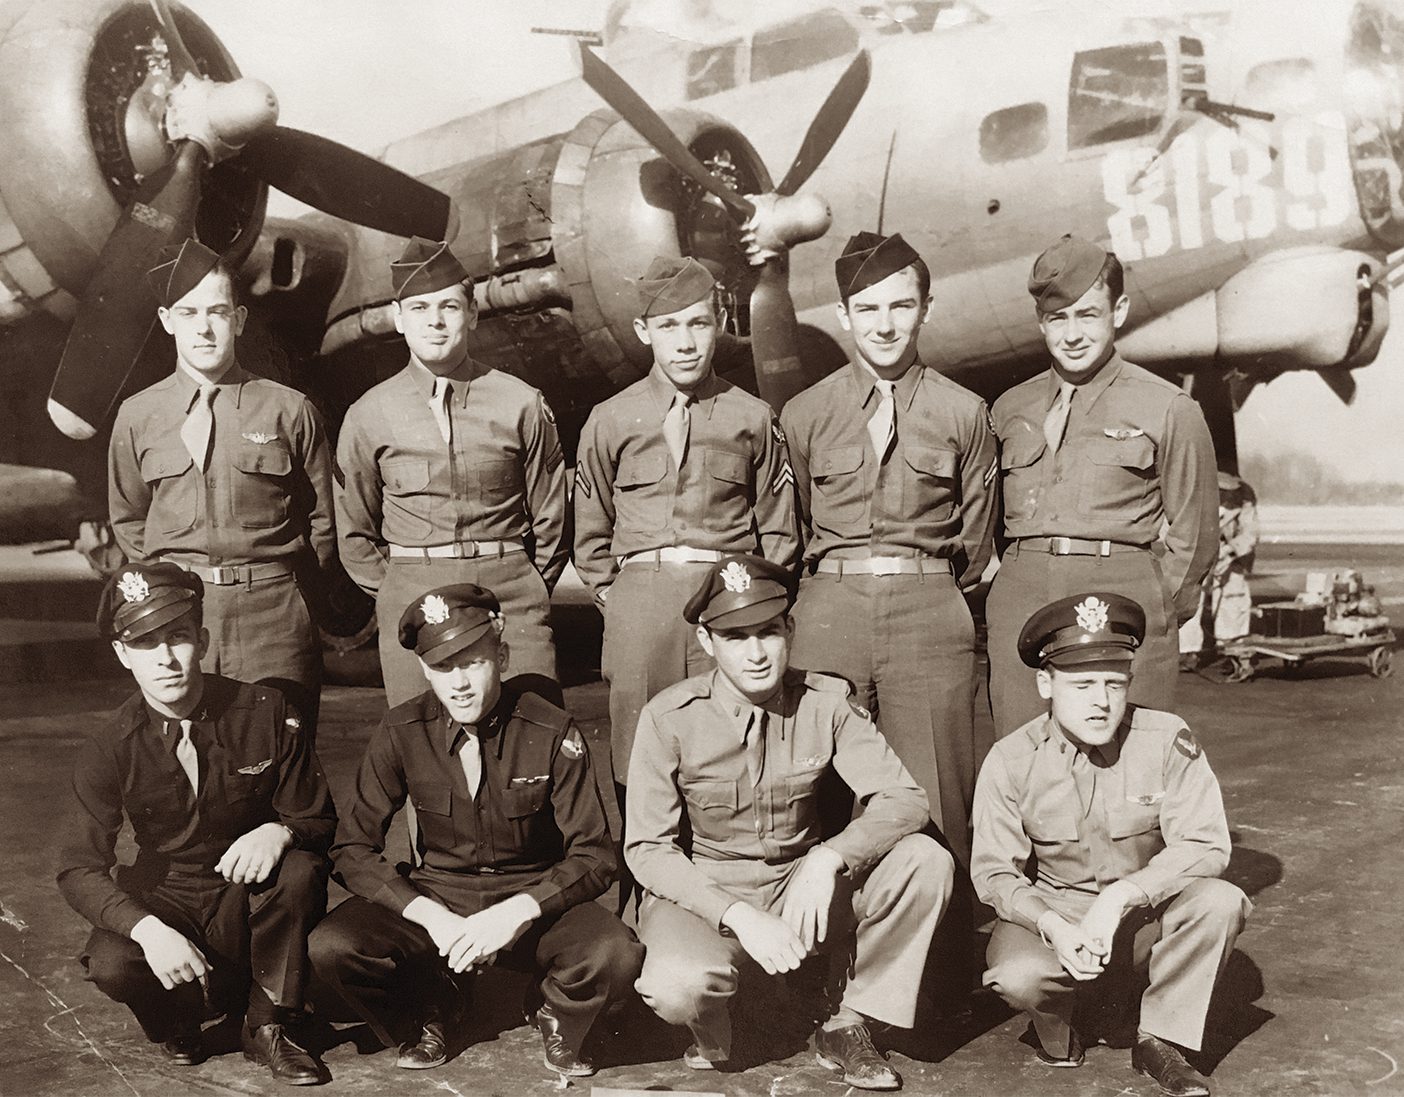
{"x": 801, "y": 43}
{"x": 1117, "y": 94}
{"x": 1014, "y": 133}
{"x": 712, "y": 69}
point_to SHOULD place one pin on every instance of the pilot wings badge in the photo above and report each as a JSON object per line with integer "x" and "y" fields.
{"x": 435, "y": 609}
{"x": 1092, "y": 614}
{"x": 258, "y": 438}
{"x": 736, "y": 578}
{"x": 133, "y": 587}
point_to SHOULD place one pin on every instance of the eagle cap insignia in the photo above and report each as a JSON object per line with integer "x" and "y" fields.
{"x": 495, "y": 616}
{"x": 133, "y": 587}
{"x": 1092, "y": 614}
{"x": 435, "y": 609}
{"x": 736, "y": 577}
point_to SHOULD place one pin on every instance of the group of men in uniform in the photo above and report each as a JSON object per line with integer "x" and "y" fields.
{"x": 724, "y": 545}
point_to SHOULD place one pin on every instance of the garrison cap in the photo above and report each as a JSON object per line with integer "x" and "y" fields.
{"x": 740, "y": 590}
{"x": 445, "y": 620}
{"x": 868, "y": 258}
{"x": 671, "y": 284}
{"x": 1085, "y": 628}
{"x": 1064, "y": 272}
{"x": 182, "y": 267}
{"x": 426, "y": 266}
{"x": 140, "y": 598}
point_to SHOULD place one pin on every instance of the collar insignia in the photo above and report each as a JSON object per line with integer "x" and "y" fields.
{"x": 133, "y": 587}
{"x": 435, "y": 610}
{"x": 736, "y": 577}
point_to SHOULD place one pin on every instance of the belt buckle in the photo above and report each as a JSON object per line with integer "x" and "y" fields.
{"x": 885, "y": 565}
{"x": 1060, "y": 546}
{"x": 224, "y": 576}
{"x": 460, "y": 546}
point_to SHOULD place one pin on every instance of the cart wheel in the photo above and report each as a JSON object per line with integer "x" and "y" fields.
{"x": 1381, "y": 662}
{"x": 1242, "y": 668}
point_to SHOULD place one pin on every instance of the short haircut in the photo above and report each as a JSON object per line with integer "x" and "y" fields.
{"x": 1113, "y": 277}
{"x": 923, "y": 273}
{"x": 223, "y": 267}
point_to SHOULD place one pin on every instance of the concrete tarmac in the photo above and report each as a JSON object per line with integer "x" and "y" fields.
{"x": 1312, "y": 1002}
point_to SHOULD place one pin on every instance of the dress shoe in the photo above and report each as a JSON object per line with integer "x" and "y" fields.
{"x": 1076, "y": 1054}
{"x": 697, "y": 1061}
{"x": 271, "y": 1046}
{"x": 850, "y": 1049}
{"x": 555, "y": 1052}
{"x": 429, "y": 1051}
{"x": 1163, "y": 1063}
{"x": 182, "y": 1046}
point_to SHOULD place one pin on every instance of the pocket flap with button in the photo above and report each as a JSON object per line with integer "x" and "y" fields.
{"x": 153, "y": 805}
{"x": 932, "y": 461}
{"x": 405, "y": 475}
{"x": 731, "y": 467}
{"x": 645, "y": 468}
{"x": 518, "y": 803}
{"x": 837, "y": 461}
{"x": 433, "y": 799}
{"x": 1020, "y": 453}
{"x": 269, "y": 460}
{"x": 496, "y": 474}
{"x": 1129, "y": 820}
{"x": 1051, "y": 828}
{"x": 711, "y": 794}
{"x": 1131, "y": 453}
{"x": 159, "y": 464}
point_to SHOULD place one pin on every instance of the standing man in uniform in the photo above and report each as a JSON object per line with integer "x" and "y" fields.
{"x": 229, "y": 476}
{"x": 232, "y": 819}
{"x": 671, "y": 473}
{"x": 735, "y": 757}
{"x": 451, "y": 472}
{"x": 512, "y": 846}
{"x": 1225, "y": 599}
{"x": 1099, "y": 838}
{"x": 896, "y": 468}
{"x": 1097, "y": 455}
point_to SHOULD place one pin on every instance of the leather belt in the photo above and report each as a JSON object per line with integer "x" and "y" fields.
{"x": 675, "y": 554}
{"x": 1075, "y": 546}
{"x": 885, "y": 565}
{"x": 459, "y": 550}
{"x": 231, "y": 575}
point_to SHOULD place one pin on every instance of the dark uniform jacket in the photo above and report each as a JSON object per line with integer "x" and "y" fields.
{"x": 536, "y": 820}
{"x": 255, "y": 768}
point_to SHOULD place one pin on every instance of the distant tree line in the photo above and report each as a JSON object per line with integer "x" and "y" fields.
{"x": 1296, "y": 478}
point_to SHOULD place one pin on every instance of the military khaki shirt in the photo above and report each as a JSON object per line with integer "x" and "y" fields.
{"x": 733, "y": 493}
{"x": 1149, "y": 811}
{"x": 1135, "y": 453}
{"x": 934, "y": 495}
{"x": 503, "y": 479}
{"x": 745, "y": 782}
{"x": 265, "y": 494}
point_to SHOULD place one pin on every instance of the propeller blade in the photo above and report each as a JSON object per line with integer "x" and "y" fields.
{"x": 117, "y": 311}
{"x": 612, "y": 88}
{"x": 775, "y": 335}
{"x": 182, "y": 60}
{"x": 349, "y": 184}
{"x": 833, "y": 116}
{"x": 1342, "y": 383}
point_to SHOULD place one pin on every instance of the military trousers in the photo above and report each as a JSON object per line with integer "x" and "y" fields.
{"x": 1186, "y": 941}
{"x": 880, "y": 928}
{"x": 1228, "y": 603}
{"x": 526, "y": 611}
{"x": 385, "y": 967}
{"x": 253, "y": 935}
{"x": 907, "y": 644}
{"x": 1028, "y": 581}
{"x": 262, "y": 632}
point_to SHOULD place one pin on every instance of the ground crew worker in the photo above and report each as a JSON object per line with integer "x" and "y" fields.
{"x": 1097, "y": 454}
{"x": 451, "y": 471}
{"x": 1099, "y": 837}
{"x": 512, "y": 846}
{"x": 228, "y": 475}
{"x": 737, "y": 755}
{"x": 232, "y": 819}
{"x": 1225, "y": 598}
{"x": 671, "y": 473}
{"x": 896, "y": 467}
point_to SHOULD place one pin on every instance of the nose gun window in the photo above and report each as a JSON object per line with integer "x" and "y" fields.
{"x": 1014, "y": 133}
{"x": 1117, "y": 94}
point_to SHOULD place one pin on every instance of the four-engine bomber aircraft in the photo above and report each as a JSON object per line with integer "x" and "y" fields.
{"x": 1244, "y": 160}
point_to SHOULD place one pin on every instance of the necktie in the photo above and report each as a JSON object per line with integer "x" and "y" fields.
{"x": 439, "y": 405}
{"x": 198, "y": 427}
{"x": 186, "y": 754}
{"x": 1056, "y": 422}
{"x": 1085, "y": 778}
{"x": 882, "y": 427}
{"x": 754, "y": 743}
{"x": 675, "y": 428}
{"x": 470, "y": 757}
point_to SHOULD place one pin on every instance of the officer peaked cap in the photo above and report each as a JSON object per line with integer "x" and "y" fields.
{"x": 868, "y": 258}
{"x": 671, "y": 284}
{"x": 140, "y": 598}
{"x": 182, "y": 267}
{"x": 1085, "y": 628}
{"x": 426, "y": 266}
{"x": 1064, "y": 272}
{"x": 740, "y": 590}
{"x": 443, "y": 621}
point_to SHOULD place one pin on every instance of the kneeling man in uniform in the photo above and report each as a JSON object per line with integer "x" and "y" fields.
{"x": 512, "y": 846}
{"x": 734, "y": 758}
{"x": 232, "y": 819}
{"x": 1099, "y": 839}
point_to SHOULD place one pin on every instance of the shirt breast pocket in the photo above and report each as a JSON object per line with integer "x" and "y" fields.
{"x": 711, "y": 808}
{"x": 157, "y": 810}
{"x": 406, "y": 498}
{"x": 173, "y": 498}
{"x": 261, "y": 487}
{"x": 802, "y": 798}
{"x": 522, "y": 803}
{"x": 1019, "y": 476}
{"x": 639, "y": 499}
{"x": 729, "y": 499}
{"x": 433, "y": 806}
{"x": 499, "y": 482}
{"x": 1119, "y": 474}
{"x": 837, "y": 501}
{"x": 929, "y": 494}
{"x": 1129, "y": 821}
{"x": 1050, "y": 831}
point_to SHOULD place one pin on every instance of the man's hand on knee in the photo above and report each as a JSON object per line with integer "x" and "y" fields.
{"x": 810, "y": 894}
{"x": 768, "y": 940}
{"x": 1072, "y": 946}
{"x": 169, "y": 954}
{"x": 252, "y": 856}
